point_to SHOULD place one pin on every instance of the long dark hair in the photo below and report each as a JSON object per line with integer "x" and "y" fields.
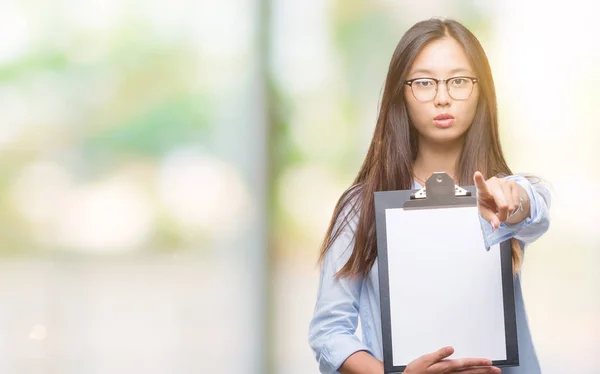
{"x": 388, "y": 164}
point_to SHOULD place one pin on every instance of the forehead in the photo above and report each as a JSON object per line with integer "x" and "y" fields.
{"x": 441, "y": 58}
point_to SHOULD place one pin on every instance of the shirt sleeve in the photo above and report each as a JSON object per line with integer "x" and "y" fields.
{"x": 335, "y": 319}
{"x": 532, "y": 227}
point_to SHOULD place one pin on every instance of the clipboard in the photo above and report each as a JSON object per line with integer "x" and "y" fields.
{"x": 439, "y": 285}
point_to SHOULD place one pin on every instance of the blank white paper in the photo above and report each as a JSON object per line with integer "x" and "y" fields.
{"x": 445, "y": 287}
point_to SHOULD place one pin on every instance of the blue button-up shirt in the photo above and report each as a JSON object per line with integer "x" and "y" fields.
{"x": 342, "y": 302}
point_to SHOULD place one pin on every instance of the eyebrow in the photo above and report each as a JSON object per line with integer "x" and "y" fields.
{"x": 453, "y": 71}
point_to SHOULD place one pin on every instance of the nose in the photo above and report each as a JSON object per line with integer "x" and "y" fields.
{"x": 442, "y": 98}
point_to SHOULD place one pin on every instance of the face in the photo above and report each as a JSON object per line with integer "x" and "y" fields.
{"x": 441, "y": 59}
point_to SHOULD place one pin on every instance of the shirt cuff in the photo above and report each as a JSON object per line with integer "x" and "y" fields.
{"x": 337, "y": 350}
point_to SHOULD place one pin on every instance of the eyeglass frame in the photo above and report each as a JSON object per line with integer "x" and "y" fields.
{"x": 409, "y": 83}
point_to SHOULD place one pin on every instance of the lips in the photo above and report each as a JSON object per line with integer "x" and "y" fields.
{"x": 444, "y": 120}
{"x": 444, "y": 116}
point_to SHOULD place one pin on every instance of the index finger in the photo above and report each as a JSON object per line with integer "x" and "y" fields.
{"x": 481, "y": 185}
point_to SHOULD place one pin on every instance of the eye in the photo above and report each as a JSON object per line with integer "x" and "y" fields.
{"x": 458, "y": 81}
{"x": 423, "y": 83}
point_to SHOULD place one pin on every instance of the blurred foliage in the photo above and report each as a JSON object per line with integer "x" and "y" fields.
{"x": 151, "y": 132}
{"x": 128, "y": 97}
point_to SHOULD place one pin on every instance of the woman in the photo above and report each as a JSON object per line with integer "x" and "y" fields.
{"x": 438, "y": 113}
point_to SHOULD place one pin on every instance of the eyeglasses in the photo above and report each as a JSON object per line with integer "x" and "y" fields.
{"x": 425, "y": 89}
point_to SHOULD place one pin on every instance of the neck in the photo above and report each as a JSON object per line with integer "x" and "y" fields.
{"x": 437, "y": 157}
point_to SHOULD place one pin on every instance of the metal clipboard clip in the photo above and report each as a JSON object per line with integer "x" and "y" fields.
{"x": 440, "y": 189}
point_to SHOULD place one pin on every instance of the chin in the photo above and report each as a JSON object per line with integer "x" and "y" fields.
{"x": 448, "y": 135}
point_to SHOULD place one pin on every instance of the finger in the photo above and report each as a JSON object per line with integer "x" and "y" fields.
{"x": 516, "y": 195}
{"x": 480, "y": 370}
{"x": 440, "y": 354}
{"x": 482, "y": 187}
{"x": 464, "y": 363}
{"x": 508, "y": 189}
{"x": 490, "y": 216}
{"x": 501, "y": 203}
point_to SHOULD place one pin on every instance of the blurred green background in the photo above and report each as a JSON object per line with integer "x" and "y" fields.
{"x": 168, "y": 170}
